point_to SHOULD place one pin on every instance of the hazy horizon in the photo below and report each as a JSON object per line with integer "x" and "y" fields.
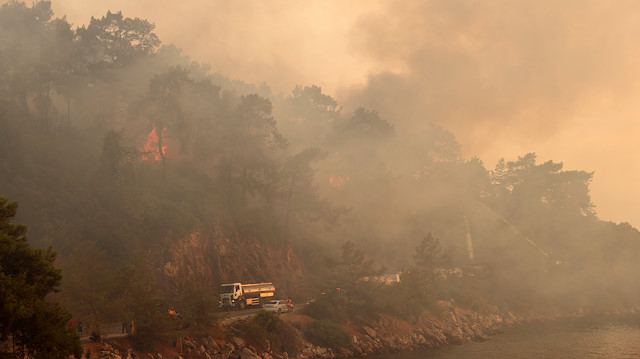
{"x": 506, "y": 78}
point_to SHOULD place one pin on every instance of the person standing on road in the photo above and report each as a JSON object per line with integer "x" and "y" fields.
{"x": 289, "y": 305}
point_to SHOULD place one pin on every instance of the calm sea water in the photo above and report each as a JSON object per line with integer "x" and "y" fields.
{"x": 593, "y": 337}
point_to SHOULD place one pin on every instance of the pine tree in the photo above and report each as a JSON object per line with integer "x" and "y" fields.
{"x": 39, "y": 328}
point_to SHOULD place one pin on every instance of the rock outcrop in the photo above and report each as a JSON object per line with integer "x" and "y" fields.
{"x": 384, "y": 335}
{"x": 390, "y": 335}
{"x": 216, "y": 258}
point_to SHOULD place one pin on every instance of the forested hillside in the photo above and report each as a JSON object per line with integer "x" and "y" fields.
{"x": 117, "y": 147}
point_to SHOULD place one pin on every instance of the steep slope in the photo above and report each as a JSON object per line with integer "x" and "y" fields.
{"x": 216, "y": 258}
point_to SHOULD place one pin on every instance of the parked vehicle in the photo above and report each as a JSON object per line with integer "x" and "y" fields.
{"x": 238, "y": 295}
{"x": 277, "y": 306}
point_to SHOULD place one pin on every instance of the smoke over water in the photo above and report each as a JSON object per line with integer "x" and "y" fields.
{"x": 555, "y": 78}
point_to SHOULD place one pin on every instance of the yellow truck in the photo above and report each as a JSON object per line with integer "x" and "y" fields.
{"x": 239, "y": 295}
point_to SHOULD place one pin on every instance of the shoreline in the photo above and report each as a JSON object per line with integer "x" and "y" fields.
{"x": 384, "y": 335}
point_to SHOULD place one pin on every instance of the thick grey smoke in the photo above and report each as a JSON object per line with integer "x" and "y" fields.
{"x": 280, "y": 42}
{"x": 507, "y": 77}
{"x": 497, "y": 65}
{"x": 555, "y": 78}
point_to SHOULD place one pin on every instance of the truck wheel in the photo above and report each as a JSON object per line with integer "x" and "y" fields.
{"x": 242, "y": 305}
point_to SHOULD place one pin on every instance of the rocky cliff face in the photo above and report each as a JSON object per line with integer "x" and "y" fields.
{"x": 216, "y": 258}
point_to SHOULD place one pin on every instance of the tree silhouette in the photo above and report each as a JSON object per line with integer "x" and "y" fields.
{"x": 26, "y": 277}
{"x": 429, "y": 255}
{"x": 114, "y": 40}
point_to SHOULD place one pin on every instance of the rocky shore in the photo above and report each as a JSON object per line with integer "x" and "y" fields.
{"x": 390, "y": 335}
{"x": 384, "y": 335}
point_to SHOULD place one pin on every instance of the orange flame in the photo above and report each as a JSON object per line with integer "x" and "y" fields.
{"x": 150, "y": 149}
{"x": 338, "y": 181}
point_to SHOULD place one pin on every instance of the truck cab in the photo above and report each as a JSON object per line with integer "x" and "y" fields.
{"x": 230, "y": 294}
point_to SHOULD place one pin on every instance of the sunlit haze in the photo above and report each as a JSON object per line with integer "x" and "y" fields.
{"x": 506, "y": 77}
{"x": 319, "y": 179}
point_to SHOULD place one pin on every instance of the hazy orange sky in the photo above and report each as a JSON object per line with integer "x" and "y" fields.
{"x": 558, "y": 78}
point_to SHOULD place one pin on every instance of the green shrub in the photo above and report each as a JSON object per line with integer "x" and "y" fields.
{"x": 467, "y": 293}
{"x": 267, "y": 326}
{"x": 258, "y": 328}
{"x": 286, "y": 339}
{"x": 330, "y": 306}
{"x": 327, "y": 334}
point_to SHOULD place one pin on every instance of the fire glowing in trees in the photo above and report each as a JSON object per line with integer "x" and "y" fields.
{"x": 338, "y": 181}
{"x": 150, "y": 149}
